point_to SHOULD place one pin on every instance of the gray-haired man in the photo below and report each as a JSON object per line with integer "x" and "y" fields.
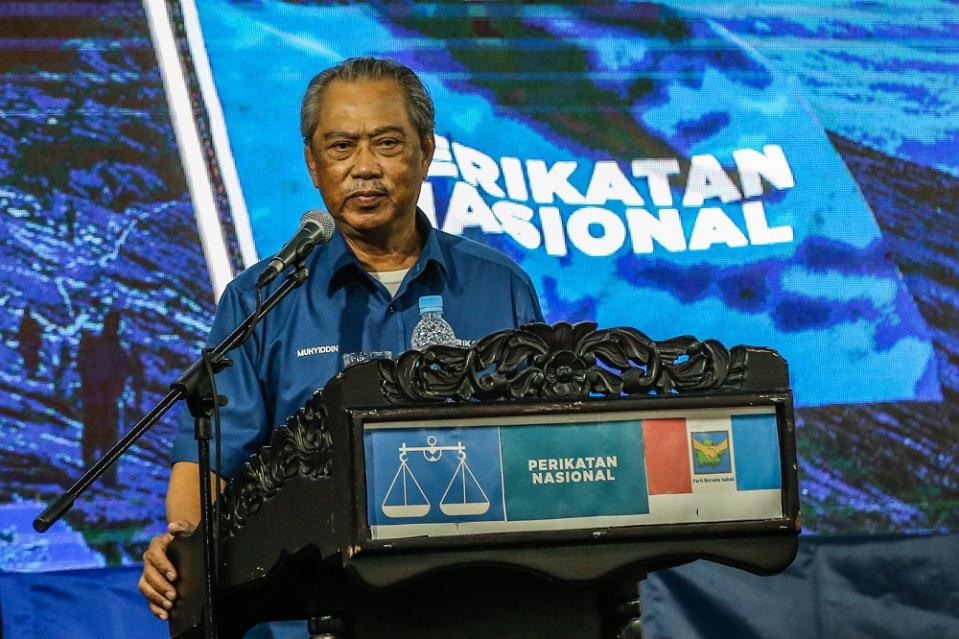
{"x": 367, "y": 126}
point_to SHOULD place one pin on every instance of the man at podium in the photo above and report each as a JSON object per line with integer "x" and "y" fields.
{"x": 367, "y": 126}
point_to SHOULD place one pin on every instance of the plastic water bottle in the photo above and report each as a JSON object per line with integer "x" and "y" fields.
{"x": 432, "y": 329}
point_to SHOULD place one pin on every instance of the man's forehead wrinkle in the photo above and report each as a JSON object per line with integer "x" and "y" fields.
{"x": 340, "y": 134}
{"x": 390, "y": 128}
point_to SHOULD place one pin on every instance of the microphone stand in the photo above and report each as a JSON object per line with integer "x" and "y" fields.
{"x": 194, "y": 385}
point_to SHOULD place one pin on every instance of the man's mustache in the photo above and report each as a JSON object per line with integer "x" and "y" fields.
{"x": 367, "y": 188}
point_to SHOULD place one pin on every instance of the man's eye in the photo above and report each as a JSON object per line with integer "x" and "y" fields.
{"x": 389, "y": 143}
{"x": 340, "y": 146}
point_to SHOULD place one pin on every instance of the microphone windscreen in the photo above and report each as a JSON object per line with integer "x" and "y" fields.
{"x": 323, "y": 219}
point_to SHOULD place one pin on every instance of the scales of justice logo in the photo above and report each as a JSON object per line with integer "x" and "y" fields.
{"x": 405, "y": 497}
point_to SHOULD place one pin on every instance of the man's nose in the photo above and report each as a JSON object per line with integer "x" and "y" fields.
{"x": 366, "y": 163}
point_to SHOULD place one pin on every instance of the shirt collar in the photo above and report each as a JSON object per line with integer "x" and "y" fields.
{"x": 338, "y": 259}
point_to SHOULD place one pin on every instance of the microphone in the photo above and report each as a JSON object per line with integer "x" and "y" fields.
{"x": 316, "y": 227}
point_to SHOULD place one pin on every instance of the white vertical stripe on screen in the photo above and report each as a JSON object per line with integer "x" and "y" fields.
{"x": 221, "y": 141}
{"x": 191, "y": 150}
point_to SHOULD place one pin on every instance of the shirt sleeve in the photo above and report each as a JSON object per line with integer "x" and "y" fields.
{"x": 525, "y": 301}
{"x": 244, "y": 421}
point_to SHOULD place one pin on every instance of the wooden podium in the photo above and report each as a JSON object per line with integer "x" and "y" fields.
{"x": 518, "y": 488}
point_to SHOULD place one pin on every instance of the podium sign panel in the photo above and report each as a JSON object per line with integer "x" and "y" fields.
{"x": 553, "y": 472}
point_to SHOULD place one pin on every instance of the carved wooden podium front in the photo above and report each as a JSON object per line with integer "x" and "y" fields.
{"x": 518, "y": 488}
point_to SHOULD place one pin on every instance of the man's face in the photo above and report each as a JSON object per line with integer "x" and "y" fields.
{"x": 366, "y": 157}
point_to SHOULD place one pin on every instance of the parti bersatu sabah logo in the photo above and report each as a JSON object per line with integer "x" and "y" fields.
{"x": 710, "y": 452}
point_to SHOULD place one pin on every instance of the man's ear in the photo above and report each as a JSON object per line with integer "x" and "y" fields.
{"x": 429, "y": 147}
{"x": 311, "y": 163}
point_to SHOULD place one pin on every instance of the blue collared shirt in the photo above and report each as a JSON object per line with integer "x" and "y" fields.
{"x": 340, "y": 309}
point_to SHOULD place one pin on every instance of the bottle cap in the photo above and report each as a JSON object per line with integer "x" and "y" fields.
{"x": 431, "y": 304}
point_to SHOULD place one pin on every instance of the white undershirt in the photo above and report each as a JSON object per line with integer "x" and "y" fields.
{"x": 390, "y": 279}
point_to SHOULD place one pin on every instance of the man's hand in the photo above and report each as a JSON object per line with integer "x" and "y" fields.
{"x": 156, "y": 583}
{"x": 183, "y": 513}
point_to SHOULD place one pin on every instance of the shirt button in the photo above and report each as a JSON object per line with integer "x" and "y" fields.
{"x": 392, "y": 308}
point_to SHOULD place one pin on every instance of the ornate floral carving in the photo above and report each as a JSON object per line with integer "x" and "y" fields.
{"x": 562, "y": 361}
{"x": 564, "y": 375}
{"x": 301, "y": 447}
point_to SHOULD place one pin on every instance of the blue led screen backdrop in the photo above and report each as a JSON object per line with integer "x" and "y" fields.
{"x": 758, "y": 175}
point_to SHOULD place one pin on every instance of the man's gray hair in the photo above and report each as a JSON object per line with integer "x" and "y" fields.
{"x": 418, "y": 101}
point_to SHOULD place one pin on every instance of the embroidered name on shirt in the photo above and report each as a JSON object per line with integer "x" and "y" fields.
{"x": 318, "y": 350}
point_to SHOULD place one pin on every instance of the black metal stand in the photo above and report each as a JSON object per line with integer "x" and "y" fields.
{"x": 203, "y": 402}
{"x": 195, "y": 386}
{"x": 621, "y": 614}
{"x": 327, "y": 627}
{"x": 202, "y": 429}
